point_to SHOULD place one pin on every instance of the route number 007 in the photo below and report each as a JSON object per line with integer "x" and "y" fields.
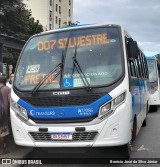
{"x": 46, "y": 45}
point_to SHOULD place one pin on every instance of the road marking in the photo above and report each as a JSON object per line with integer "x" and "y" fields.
{"x": 142, "y": 148}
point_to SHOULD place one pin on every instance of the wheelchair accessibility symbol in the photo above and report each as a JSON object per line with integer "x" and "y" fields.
{"x": 68, "y": 82}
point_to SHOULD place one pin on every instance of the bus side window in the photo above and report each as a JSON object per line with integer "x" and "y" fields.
{"x": 137, "y": 70}
{"x": 132, "y": 68}
{"x": 146, "y": 68}
{"x": 139, "y": 67}
{"x": 143, "y": 65}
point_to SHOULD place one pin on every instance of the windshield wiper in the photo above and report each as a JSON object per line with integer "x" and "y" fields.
{"x": 79, "y": 70}
{"x": 61, "y": 71}
{"x": 59, "y": 66}
{"x": 63, "y": 61}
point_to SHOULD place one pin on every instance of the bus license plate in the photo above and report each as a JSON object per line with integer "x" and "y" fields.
{"x": 61, "y": 136}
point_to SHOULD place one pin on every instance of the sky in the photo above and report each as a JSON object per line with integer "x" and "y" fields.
{"x": 141, "y": 18}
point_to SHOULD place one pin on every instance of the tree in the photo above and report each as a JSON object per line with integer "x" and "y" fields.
{"x": 11, "y": 57}
{"x": 16, "y": 20}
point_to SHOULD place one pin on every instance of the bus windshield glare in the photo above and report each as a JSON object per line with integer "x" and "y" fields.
{"x": 97, "y": 51}
{"x": 152, "y": 70}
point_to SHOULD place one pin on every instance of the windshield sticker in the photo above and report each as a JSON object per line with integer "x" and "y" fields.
{"x": 68, "y": 82}
{"x": 33, "y": 69}
{"x": 32, "y": 46}
{"x": 90, "y": 75}
{"x": 112, "y": 40}
{"x": 32, "y": 79}
{"x": 78, "y": 82}
{"x": 88, "y": 40}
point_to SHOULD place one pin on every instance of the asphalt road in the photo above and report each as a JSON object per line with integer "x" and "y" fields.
{"x": 146, "y": 145}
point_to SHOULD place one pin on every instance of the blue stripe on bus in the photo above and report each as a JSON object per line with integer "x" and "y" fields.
{"x": 70, "y": 112}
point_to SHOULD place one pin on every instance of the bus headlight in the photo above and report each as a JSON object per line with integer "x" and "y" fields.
{"x": 19, "y": 110}
{"x": 119, "y": 99}
{"x": 105, "y": 108}
{"x": 108, "y": 108}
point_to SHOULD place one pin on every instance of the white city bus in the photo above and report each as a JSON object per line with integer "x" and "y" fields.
{"x": 80, "y": 87}
{"x": 154, "y": 97}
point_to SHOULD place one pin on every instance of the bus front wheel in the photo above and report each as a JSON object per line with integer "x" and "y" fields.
{"x": 126, "y": 151}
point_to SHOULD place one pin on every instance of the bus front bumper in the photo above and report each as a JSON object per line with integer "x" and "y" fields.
{"x": 112, "y": 131}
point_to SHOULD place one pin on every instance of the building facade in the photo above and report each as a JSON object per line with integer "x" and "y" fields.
{"x": 51, "y": 14}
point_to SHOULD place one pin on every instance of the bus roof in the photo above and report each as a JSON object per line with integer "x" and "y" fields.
{"x": 76, "y": 27}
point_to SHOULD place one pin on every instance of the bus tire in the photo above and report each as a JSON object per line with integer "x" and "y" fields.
{"x": 153, "y": 108}
{"x": 126, "y": 151}
{"x": 134, "y": 131}
{"x": 145, "y": 120}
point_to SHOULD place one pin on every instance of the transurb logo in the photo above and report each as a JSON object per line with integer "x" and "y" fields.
{"x": 42, "y": 113}
{"x": 32, "y": 112}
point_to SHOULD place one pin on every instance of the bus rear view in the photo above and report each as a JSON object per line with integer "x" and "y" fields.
{"x": 71, "y": 89}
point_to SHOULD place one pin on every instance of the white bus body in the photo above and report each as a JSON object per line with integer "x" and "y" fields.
{"x": 107, "y": 111}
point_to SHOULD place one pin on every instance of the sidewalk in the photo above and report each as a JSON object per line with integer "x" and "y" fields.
{"x": 14, "y": 152}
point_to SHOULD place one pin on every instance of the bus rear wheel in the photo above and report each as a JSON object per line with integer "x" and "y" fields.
{"x": 134, "y": 130}
{"x": 153, "y": 108}
{"x": 145, "y": 120}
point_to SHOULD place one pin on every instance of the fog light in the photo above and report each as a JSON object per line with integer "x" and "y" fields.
{"x": 114, "y": 132}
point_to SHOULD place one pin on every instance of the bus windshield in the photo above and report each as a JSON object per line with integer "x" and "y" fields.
{"x": 152, "y": 67}
{"x": 97, "y": 51}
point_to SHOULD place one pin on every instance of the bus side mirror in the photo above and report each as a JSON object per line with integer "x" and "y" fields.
{"x": 132, "y": 49}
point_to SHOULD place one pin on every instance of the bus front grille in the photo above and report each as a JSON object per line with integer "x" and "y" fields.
{"x": 61, "y": 101}
{"x": 57, "y": 121}
{"x": 77, "y": 136}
